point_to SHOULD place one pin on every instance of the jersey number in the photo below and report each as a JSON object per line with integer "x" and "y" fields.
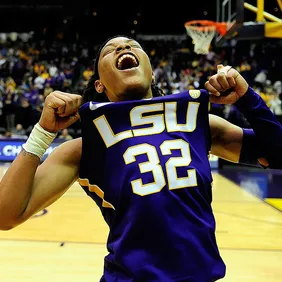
{"x": 153, "y": 166}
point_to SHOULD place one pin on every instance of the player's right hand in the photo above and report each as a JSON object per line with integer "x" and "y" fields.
{"x": 60, "y": 111}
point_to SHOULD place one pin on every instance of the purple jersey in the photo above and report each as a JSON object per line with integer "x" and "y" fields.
{"x": 145, "y": 163}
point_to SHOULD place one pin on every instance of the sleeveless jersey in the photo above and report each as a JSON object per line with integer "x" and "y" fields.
{"x": 145, "y": 163}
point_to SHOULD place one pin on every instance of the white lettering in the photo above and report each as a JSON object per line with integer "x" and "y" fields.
{"x": 153, "y": 118}
{"x": 11, "y": 150}
{"x": 156, "y": 121}
{"x": 106, "y": 132}
{"x": 171, "y": 117}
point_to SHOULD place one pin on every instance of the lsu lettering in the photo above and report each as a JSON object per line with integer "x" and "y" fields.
{"x": 156, "y": 118}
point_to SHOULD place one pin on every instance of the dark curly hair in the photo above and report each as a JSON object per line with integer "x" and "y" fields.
{"x": 90, "y": 93}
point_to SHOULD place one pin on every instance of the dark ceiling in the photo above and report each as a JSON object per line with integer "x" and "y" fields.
{"x": 94, "y": 20}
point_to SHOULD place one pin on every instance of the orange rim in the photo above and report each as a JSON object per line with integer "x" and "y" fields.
{"x": 206, "y": 25}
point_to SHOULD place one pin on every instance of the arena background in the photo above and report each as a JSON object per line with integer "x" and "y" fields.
{"x": 51, "y": 45}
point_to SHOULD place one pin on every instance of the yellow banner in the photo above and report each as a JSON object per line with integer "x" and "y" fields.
{"x": 273, "y": 30}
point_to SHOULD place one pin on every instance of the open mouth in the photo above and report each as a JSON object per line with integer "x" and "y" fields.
{"x": 127, "y": 61}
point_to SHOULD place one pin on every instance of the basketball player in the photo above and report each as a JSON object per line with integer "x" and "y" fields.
{"x": 143, "y": 158}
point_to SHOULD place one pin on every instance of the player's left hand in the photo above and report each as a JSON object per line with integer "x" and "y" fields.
{"x": 226, "y": 86}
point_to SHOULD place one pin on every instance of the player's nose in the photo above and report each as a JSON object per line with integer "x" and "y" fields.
{"x": 122, "y": 47}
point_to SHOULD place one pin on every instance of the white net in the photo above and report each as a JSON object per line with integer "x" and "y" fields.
{"x": 202, "y": 37}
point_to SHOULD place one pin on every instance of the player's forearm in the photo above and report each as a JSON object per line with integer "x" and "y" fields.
{"x": 265, "y": 125}
{"x": 17, "y": 184}
{"x": 16, "y": 189}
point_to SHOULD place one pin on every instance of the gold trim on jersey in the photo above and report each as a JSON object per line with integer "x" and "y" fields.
{"x": 98, "y": 191}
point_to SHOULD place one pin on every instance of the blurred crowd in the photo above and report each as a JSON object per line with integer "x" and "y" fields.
{"x": 30, "y": 70}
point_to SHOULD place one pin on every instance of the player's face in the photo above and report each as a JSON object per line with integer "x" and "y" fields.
{"x": 125, "y": 70}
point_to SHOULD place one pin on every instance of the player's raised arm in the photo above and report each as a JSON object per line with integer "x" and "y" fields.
{"x": 27, "y": 186}
{"x": 262, "y": 144}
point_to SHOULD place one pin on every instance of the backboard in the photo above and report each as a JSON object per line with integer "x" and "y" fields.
{"x": 241, "y": 27}
{"x": 231, "y": 12}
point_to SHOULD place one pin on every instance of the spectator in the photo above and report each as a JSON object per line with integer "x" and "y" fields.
{"x": 65, "y": 135}
{"x": 9, "y": 111}
{"x": 18, "y": 132}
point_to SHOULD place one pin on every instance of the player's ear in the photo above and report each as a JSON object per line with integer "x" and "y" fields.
{"x": 99, "y": 86}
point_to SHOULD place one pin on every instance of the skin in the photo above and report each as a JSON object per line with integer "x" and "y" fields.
{"x": 19, "y": 200}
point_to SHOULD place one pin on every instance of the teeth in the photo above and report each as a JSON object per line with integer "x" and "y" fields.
{"x": 124, "y": 57}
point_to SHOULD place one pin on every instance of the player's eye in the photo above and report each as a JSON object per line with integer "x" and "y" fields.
{"x": 136, "y": 46}
{"x": 108, "y": 50}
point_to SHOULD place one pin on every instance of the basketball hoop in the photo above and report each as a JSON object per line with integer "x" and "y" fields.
{"x": 202, "y": 32}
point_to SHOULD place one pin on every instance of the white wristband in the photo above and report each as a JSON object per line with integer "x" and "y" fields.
{"x": 38, "y": 141}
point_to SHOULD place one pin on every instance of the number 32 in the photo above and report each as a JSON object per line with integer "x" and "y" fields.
{"x": 153, "y": 166}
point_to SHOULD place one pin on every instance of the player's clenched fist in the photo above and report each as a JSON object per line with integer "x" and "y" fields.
{"x": 226, "y": 86}
{"x": 60, "y": 111}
